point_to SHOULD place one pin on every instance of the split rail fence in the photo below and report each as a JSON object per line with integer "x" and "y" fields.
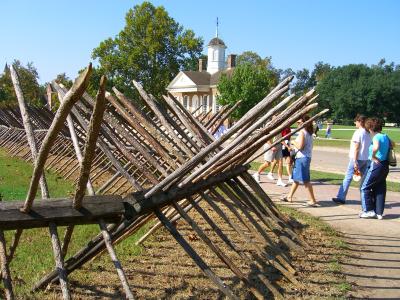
{"x": 134, "y": 160}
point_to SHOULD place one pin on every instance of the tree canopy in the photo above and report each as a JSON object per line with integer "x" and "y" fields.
{"x": 358, "y": 88}
{"x": 28, "y": 78}
{"x": 152, "y": 48}
{"x": 249, "y": 83}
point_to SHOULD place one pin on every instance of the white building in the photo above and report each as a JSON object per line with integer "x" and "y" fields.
{"x": 199, "y": 88}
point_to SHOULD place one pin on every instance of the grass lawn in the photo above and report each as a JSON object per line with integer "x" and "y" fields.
{"x": 346, "y": 132}
{"x": 34, "y": 257}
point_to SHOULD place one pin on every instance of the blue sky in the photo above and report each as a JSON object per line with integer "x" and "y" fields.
{"x": 59, "y": 36}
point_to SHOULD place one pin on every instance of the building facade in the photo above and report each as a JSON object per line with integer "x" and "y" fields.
{"x": 199, "y": 88}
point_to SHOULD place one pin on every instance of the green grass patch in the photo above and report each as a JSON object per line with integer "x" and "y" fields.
{"x": 332, "y": 143}
{"x": 15, "y": 175}
{"x": 34, "y": 256}
{"x": 333, "y": 178}
{"x": 344, "y": 287}
{"x": 346, "y": 132}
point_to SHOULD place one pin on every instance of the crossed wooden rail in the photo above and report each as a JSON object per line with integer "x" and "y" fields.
{"x": 143, "y": 158}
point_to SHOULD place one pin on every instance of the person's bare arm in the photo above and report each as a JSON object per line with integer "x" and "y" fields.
{"x": 355, "y": 154}
{"x": 299, "y": 143}
{"x": 375, "y": 147}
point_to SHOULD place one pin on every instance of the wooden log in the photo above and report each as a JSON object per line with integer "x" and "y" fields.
{"x": 249, "y": 261}
{"x": 90, "y": 146}
{"x": 155, "y": 136}
{"x": 224, "y": 117}
{"x": 195, "y": 160}
{"x": 169, "y": 128}
{"x": 255, "y": 232}
{"x": 221, "y": 255}
{"x": 109, "y": 117}
{"x": 215, "y": 117}
{"x": 60, "y": 212}
{"x": 194, "y": 131}
{"x": 59, "y": 261}
{"x": 251, "y": 145}
{"x": 114, "y": 258}
{"x": 195, "y": 257}
{"x": 239, "y": 140}
{"x": 70, "y": 98}
{"x": 201, "y": 129}
{"x": 105, "y": 149}
{"x": 140, "y": 205}
{"x": 77, "y": 148}
{"x": 40, "y": 177}
{"x": 5, "y": 270}
{"x": 237, "y": 229}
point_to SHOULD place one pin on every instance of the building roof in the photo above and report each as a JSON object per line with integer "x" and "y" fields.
{"x": 199, "y": 78}
{"x": 216, "y": 42}
{"x": 217, "y": 76}
{"x": 205, "y": 78}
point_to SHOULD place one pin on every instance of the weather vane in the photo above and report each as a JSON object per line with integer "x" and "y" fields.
{"x": 216, "y": 34}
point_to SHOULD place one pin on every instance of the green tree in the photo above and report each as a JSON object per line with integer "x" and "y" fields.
{"x": 28, "y": 78}
{"x": 152, "y": 48}
{"x": 250, "y": 57}
{"x": 352, "y": 89}
{"x": 249, "y": 83}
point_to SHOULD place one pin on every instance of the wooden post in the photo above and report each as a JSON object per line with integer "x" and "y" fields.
{"x": 70, "y": 98}
{"x": 5, "y": 271}
{"x": 196, "y": 258}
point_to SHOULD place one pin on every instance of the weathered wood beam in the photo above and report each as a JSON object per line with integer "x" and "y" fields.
{"x": 61, "y": 212}
{"x": 70, "y": 98}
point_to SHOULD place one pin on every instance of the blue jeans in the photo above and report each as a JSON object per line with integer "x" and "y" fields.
{"x": 373, "y": 190}
{"x": 344, "y": 188}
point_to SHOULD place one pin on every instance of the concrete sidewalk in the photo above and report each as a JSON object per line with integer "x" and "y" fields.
{"x": 373, "y": 266}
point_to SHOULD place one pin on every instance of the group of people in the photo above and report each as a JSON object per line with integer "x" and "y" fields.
{"x": 368, "y": 161}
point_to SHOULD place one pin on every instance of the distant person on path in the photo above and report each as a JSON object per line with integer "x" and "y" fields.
{"x": 221, "y": 131}
{"x": 373, "y": 190}
{"x": 358, "y": 158}
{"x": 274, "y": 154}
{"x": 301, "y": 172}
{"x": 286, "y": 148}
{"x": 328, "y": 130}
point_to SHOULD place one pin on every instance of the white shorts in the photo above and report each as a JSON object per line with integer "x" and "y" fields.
{"x": 273, "y": 155}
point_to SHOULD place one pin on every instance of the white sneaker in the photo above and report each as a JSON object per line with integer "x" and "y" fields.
{"x": 270, "y": 176}
{"x": 290, "y": 180}
{"x": 367, "y": 214}
{"x": 379, "y": 217}
{"x": 256, "y": 177}
{"x": 281, "y": 183}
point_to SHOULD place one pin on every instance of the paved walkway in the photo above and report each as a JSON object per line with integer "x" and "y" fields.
{"x": 335, "y": 160}
{"x": 373, "y": 266}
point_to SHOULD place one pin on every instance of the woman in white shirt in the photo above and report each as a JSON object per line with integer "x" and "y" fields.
{"x": 301, "y": 170}
{"x": 358, "y": 158}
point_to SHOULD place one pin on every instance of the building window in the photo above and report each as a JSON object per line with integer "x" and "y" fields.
{"x": 205, "y": 98}
{"x": 185, "y": 102}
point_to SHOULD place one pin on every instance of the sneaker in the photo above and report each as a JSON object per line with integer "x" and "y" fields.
{"x": 256, "y": 177}
{"x": 270, "y": 176}
{"x": 290, "y": 180}
{"x": 338, "y": 201}
{"x": 281, "y": 183}
{"x": 379, "y": 217}
{"x": 367, "y": 214}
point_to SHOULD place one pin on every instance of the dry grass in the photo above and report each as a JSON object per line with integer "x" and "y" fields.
{"x": 164, "y": 271}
